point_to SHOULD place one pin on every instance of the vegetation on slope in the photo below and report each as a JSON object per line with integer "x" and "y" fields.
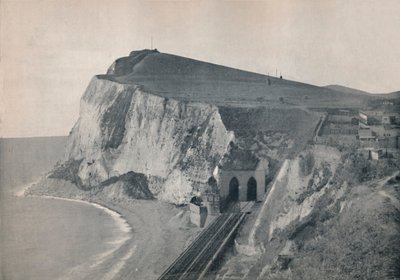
{"x": 355, "y": 236}
{"x": 335, "y": 221}
{"x": 306, "y": 164}
{"x": 355, "y": 168}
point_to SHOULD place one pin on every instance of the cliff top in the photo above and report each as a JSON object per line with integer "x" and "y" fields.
{"x": 192, "y": 80}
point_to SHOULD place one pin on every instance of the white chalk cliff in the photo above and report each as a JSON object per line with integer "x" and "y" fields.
{"x": 123, "y": 128}
{"x": 140, "y": 118}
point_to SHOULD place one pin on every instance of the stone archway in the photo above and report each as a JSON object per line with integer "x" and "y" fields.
{"x": 233, "y": 190}
{"x": 251, "y": 189}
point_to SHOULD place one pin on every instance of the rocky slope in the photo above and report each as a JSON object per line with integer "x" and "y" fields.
{"x": 323, "y": 219}
{"x": 123, "y": 129}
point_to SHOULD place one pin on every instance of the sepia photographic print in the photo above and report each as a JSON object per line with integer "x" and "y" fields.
{"x": 199, "y": 139}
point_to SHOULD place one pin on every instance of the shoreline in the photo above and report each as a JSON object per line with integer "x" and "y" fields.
{"x": 22, "y": 189}
{"x": 154, "y": 243}
{"x": 122, "y": 225}
{"x": 121, "y": 222}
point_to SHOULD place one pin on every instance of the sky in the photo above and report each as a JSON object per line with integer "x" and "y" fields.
{"x": 50, "y": 49}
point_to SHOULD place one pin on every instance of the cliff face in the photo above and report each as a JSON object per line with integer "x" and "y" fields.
{"x": 140, "y": 119}
{"x": 123, "y": 128}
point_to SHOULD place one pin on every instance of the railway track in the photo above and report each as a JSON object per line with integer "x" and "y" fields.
{"x": 197, "y": 259}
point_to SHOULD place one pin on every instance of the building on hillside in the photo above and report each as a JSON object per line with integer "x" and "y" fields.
{"x": 388, "y": 119}
{"x": 379, "y": 136}
{"x": 366, "y": 137}
{"x": 376, "y": 154}
{"x": 344, "y": 112}
{"x": 372, "y": 153}
{"x": 388, "y": 103}
{"x": 355, "y": 121}
{"x": 363, "y": 117}
{"x": 387, "y": 136}
{"x": 370, "y": 117}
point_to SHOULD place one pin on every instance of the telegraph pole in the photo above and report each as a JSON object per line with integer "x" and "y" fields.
{"x": 151, "y": 42}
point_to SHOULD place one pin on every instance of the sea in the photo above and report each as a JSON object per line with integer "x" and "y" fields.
{"x": 43, "y": 238}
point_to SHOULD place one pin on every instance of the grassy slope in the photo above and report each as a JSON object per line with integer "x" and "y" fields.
{"x": 346, "y": 89}
{"x": 188, "y": 79}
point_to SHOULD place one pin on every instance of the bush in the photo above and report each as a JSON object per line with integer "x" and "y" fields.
{"x": 358, "y": 169}
{"x": 306, "y": 164}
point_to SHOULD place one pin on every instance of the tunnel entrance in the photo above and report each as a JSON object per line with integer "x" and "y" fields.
{"x": 251, "y": 189}
{"x": 233, "y": 190}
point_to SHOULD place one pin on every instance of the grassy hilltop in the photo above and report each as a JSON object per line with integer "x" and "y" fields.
{"x": 188, "y": 79}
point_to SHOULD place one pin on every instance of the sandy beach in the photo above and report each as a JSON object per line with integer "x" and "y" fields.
{"x": 56, "y": 237}
{"x": 159, "y": 233}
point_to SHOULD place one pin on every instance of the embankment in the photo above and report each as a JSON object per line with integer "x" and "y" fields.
{"x": 316, "y": 224}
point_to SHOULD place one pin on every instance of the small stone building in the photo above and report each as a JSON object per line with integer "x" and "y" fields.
{"x": 212, "y": 202}
{"x": 210, "y": 197}
{"x": 376, "y": 154}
